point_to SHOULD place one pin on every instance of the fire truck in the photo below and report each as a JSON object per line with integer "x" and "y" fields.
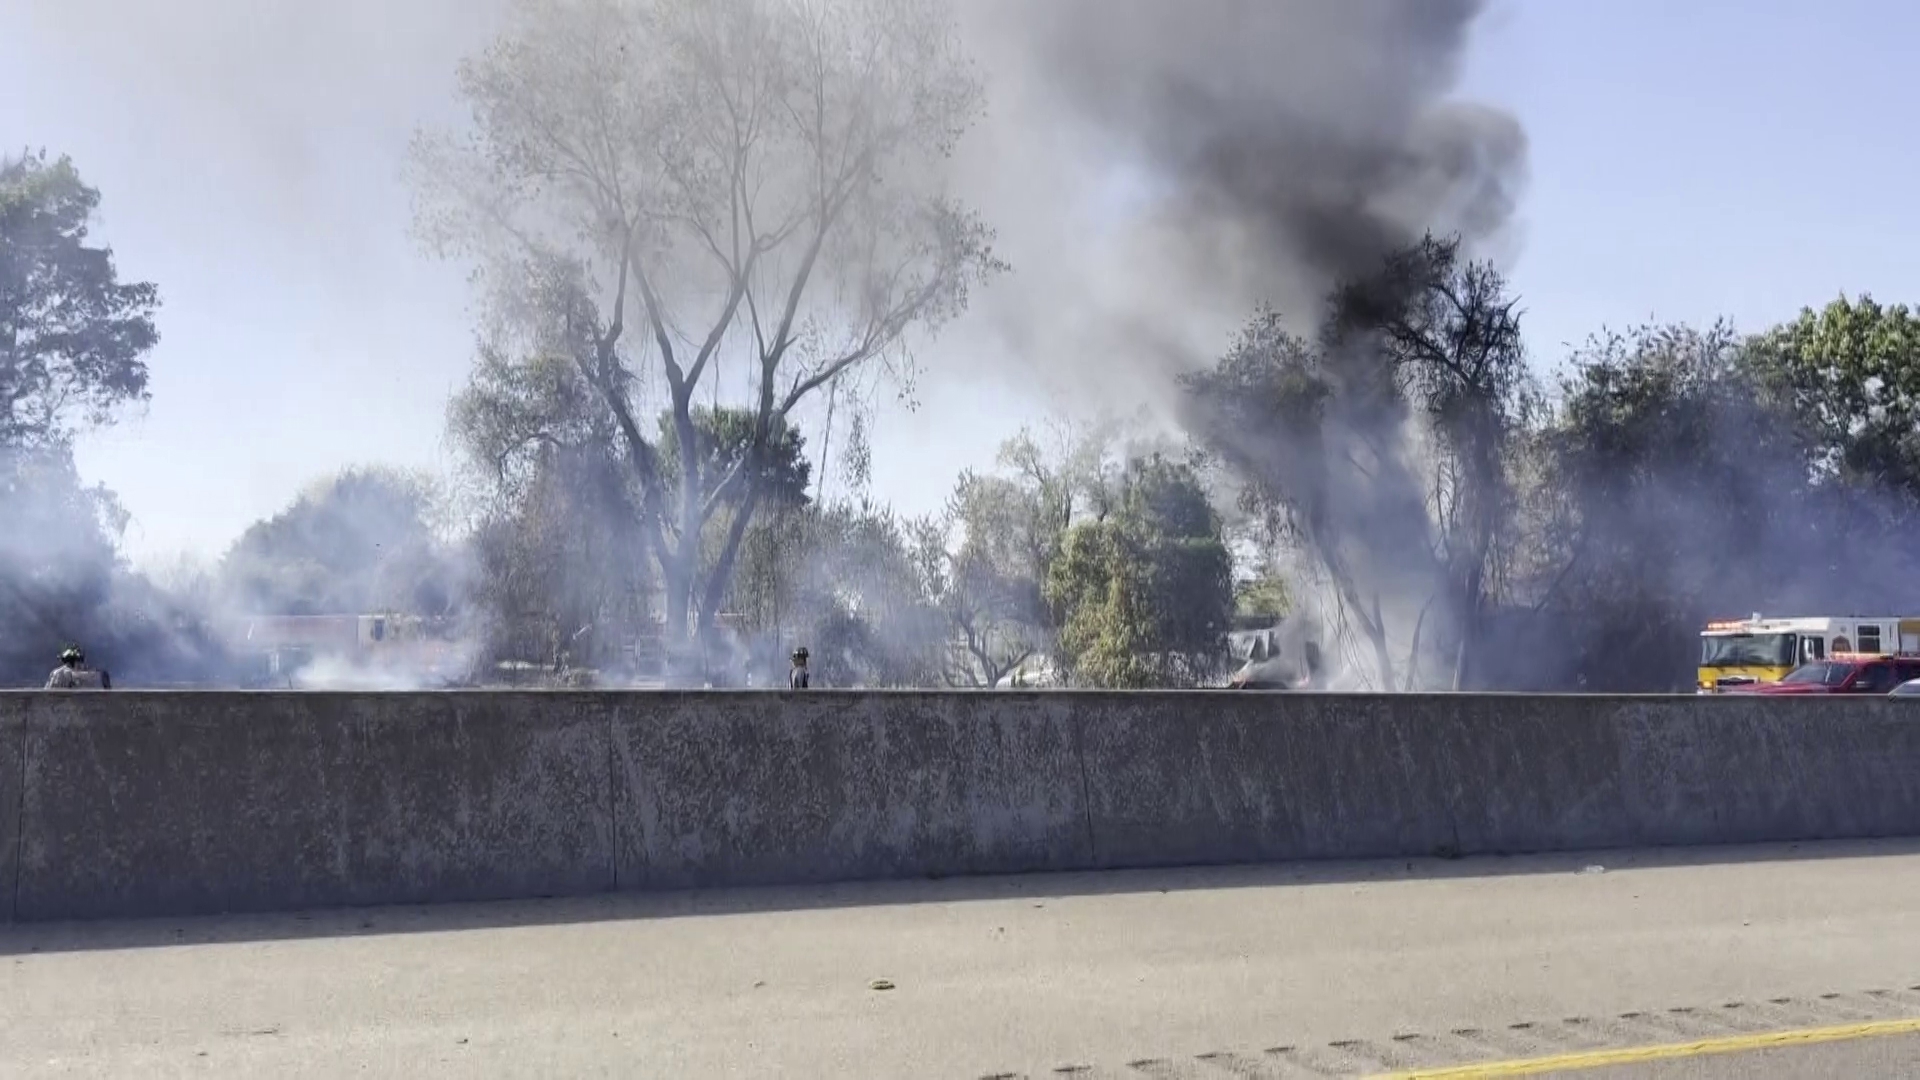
{"x": 1745, "y": 652}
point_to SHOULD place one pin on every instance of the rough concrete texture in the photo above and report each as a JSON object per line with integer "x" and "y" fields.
{"x": 1558, "y": 773}
{"x": 1173, "y": 780}
{"x": 12, "y": 739}
{"x": 148, "y": 804}
{"x": 156, "y": 804}
{"x": 784, "y": 789}
{"x": 1274, "y": 777}
{"x": 1734, "y": 770}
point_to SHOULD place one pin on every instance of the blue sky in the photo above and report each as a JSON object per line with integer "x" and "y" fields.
{"x": 1689, "y": 160}
{"x": 1697, "y": 158}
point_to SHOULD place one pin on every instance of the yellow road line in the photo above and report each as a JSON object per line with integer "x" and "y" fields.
{"x": 1731, "y": 1044}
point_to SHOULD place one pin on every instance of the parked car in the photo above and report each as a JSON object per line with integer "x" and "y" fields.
{"x": 1910, "y": 689}
{"x": 1842, "y": 675}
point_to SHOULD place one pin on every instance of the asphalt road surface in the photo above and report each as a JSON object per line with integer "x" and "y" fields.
{"x": 1853, "y": 1059}
{"x": 1336, "y": 970}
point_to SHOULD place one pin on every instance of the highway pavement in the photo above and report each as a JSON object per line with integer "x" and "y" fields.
{"x": 1850, "y": 1059}
{"x": 1784, "y": 961}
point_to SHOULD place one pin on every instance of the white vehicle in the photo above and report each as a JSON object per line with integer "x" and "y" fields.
{"x": 1033, "y": 673}
{"x": 1908, "y": 689}
{"x": 1285, "y": 656}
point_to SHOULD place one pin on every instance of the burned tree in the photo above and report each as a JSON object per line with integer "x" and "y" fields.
{"x": 1450, "y": 332}
{"x": 1381, "y": 447}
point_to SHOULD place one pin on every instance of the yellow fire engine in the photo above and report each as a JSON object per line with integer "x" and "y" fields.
{"x": 1738, "y": 652}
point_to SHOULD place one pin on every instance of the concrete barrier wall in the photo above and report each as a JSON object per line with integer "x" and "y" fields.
{"x": 152, "y": 804}
{"x": 13, "y": 735}
{"x": 755, "y": 789}
{"x": 1364, "y": 776}
{"x": 159, "y": 804}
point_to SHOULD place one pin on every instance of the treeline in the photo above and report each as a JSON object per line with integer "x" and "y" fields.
{"x": 1454, "y": 520}
{"x": 701, "y": 237}
{"x": 1474, "y": 525}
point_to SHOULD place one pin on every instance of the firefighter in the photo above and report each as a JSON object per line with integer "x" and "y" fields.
{"x": 73, "y": 673}
{"x": 797, "y": 678}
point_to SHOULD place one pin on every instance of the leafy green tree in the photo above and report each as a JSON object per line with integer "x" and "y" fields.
{"x": 1675, "y": 486}
{"x": 1263, "y": 597}
{"x": 724, "y": 437}
{"x": 58, "y": 561}
{"x": 1851, "y": 373}
{"x": 1145, "y": 596}
{"x": 561, "y": 577}
{"x": 73, "y": 345}
{"x": 73, "y": 336}
{"x": 564, "y": 566}
{"x": 989, "y": 557}
{"x": 1647, "y": 501}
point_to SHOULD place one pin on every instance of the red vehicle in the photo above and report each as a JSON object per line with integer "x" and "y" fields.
{"x": 1843, "y": 673}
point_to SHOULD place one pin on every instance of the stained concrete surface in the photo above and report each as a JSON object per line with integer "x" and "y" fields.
{"x": 761, "y": 789}
{"x": 1270, "y": 778}
{"x": 152, "y": 803}
{"x": 1268, "y": 971}
{"x": 196, "y": 803}
{"x": 1182, "y": 779}
{"x": 12, "y": 746}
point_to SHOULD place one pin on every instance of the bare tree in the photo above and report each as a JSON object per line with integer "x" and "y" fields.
{"x": 756, "y": 180}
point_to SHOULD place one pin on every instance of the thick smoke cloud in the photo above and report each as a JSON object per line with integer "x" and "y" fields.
{"x": 1252, "y": 151}
{"x": 1271, "y": 150}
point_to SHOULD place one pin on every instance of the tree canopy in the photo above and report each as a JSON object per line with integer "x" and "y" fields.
{"x": 73, "y": 336}
{"x": 750, "y": 182}
{"x": 74, "y": 340}
{"x": 1851, "y": 373}
{"x": 1687, "y": 476}
{"x": 357, "y": 543}
{"x": 1145, "y": 596}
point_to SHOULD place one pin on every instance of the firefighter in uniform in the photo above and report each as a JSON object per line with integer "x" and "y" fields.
{"x": 73, "y": 673}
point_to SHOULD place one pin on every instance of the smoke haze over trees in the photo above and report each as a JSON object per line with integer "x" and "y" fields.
{"x": 706, "y": 234}
{"x": 73, "y": 345}
{"x": 363, "y": 541}
{"x": 746, "y": 181}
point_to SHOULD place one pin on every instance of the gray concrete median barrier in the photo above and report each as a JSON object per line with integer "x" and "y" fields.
{"x": 147, "y": 804}
{"x": 754, "y": 789}
{"x": 1179, "y": 779}
{"x": 13, "y": 735}
{"x": 163, "y": 804}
